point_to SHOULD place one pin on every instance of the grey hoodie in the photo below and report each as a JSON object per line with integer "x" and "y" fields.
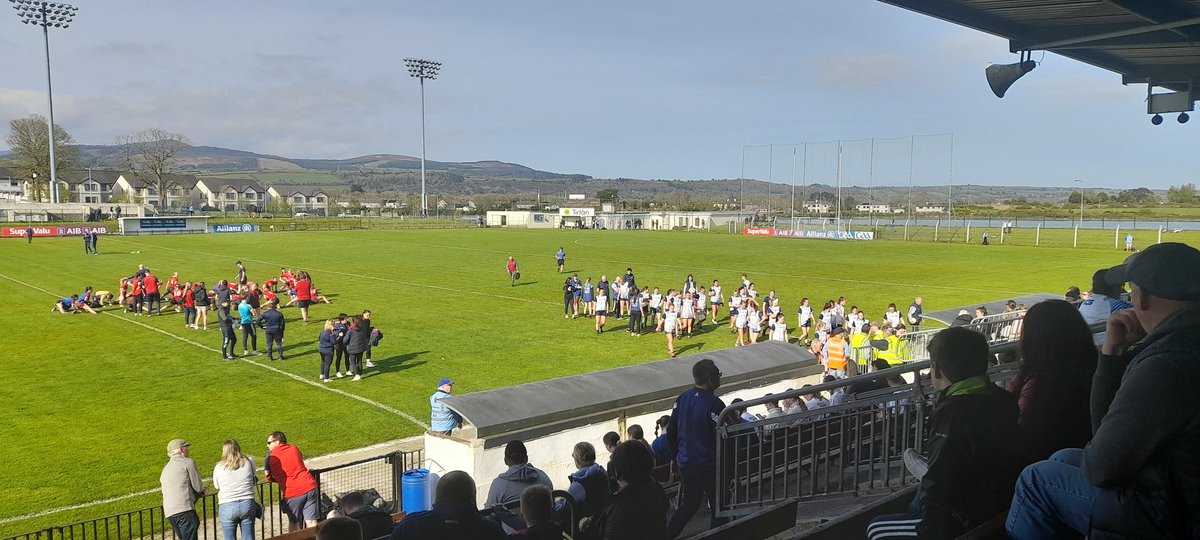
{"x": 508, "y": 486}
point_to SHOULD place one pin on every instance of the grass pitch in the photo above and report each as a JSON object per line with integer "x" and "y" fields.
{"x": 90, "y": 401}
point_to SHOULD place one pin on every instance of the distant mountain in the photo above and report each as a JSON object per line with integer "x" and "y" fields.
{"x": 211, "y": 159}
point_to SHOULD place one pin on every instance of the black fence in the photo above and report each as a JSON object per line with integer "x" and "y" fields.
{"x": 381, "y": 474}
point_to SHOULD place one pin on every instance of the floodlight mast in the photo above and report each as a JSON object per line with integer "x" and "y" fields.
{"x": 47, "y": 14}
{"x": 421, "y": 70}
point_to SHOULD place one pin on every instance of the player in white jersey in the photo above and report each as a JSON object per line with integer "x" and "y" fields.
{"x": 735, "y": 302}
{"x": 715, "y": 299}
{"x": 779, "y": 332}
{"x": 670, "y": 317}
{"x": 754, "y": 322}
{"x": 601, "y": 309}
{"x": 687, "y": 312}
{"x": 740, "y": 323}
{"x": 656, "y": 303}
{"x": 701, "y": 308}
{"x": 892, "y": 317}
{"x": 804, "y": 314}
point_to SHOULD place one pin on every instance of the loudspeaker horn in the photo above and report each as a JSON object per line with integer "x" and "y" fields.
{"x": 1002, "y": 76}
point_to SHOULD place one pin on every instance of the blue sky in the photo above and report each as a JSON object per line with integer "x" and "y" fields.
{"x": 667, "y": 89}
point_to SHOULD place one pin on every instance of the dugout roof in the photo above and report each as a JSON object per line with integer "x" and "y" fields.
{"x": 946, "y": 316}
{"x": 549, "y": 405}
{"x": 1156, "y": 41}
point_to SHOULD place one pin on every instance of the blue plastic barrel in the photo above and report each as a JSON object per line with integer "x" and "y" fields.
{"x": 415, "y": 491}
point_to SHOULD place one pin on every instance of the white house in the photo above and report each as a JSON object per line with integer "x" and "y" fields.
{"x": 91, "y": 187}
{"x": 818, "y": 207}
{"x": 178, "y": 189}
{"x": 874, "y": 208}
{"x": 12, "y": 188}
{"x": 229, "y": 193}
{"x": 302, "y": 198}
{"x": 929, "y": 209}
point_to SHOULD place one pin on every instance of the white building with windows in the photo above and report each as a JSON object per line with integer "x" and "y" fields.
{"x": 818, "y": 207}
{"x": 308, "y": 199}
{"x": 230, "y": 193}
{"x": 874, "y": 208}
{"x": 929, "y": 209}
{"x": 178, "y": 189}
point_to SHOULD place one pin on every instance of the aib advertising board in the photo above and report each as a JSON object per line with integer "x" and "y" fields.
{"x": 41, "y": 231}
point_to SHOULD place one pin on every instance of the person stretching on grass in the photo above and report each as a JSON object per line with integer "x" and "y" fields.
{"x": 73, "y": 304}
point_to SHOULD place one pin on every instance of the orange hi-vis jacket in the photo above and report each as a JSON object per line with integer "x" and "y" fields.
{"x": 835, "y": 350}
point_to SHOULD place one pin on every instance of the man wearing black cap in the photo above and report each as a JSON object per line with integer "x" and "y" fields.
{"x": 1139, "y": 476}
{"x": 508, "y": 486}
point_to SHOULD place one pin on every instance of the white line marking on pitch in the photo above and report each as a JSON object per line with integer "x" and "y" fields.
{"x": 343, "y": 393}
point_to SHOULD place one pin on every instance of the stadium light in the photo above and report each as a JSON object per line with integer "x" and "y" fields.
{"x": 47, "y": 14}
{"x": 421, "y": 70}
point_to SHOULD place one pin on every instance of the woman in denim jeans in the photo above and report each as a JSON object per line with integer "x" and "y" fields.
{"x": 234, "y": 477}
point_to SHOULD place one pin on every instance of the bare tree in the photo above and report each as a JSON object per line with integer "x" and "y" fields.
{"x": 150, "y": 156}
{"x": 29, "y": 141}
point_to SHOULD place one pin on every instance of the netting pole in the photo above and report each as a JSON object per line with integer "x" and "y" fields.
{"x": 1117, "y": 237}
{"x": 936, "y": 224}
{"x": 1038, "y": 240}
{"x": 1075, "y": 242}
{"x": 968, "y": 232}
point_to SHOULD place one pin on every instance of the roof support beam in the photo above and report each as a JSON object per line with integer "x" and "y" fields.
{"x": 1157, "y": 13}
{"x": 1033, "y": 45}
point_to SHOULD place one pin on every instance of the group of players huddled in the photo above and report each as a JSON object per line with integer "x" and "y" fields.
{"x": 241, "y": 302}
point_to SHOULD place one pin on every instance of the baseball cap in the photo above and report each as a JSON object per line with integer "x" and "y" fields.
{"x": 175, "y": 445}
{"x": 1165, "y": 270}
{"x": 444, "y": 382}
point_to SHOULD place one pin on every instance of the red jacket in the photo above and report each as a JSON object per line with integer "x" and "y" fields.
{"x": 285, "y": 466}
{"x": 150, "y": 283}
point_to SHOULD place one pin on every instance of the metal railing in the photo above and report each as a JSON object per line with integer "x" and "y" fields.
{"x": 998, "y": 328}
{"x": 855, "y": 448}
{"x": 380, "y": 473}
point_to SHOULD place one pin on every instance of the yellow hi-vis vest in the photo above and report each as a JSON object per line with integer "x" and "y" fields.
{"x": 860, "y": 349}
{"x": 892, "y": 354}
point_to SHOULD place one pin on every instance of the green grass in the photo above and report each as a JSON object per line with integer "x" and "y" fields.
{"x": 90, "y": 401}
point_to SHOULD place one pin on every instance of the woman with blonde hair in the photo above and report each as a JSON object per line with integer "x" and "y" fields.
{"x": 234, "y": 478}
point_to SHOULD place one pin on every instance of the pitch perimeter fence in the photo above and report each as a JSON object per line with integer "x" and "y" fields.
{"x": 380, "y": 474}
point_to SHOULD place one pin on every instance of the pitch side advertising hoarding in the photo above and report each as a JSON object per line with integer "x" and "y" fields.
{"x": 818, "y": 234}
{"x": 41, "y": 231}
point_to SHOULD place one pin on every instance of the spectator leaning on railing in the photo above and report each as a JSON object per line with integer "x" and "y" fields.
{"x": 1139, "y": 476}
{"x": 285, "y": 466}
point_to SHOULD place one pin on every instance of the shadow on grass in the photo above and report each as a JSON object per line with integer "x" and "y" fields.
{"x": 688, "y": 347}
{"x": 398, "y": 363}
{"x": 524, "y": 283}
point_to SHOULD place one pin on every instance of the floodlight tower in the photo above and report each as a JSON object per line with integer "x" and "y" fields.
{"x": 423, "y": 69}
{"x": 47, "y": 14}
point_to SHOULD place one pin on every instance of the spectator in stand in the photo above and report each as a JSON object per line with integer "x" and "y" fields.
{"x": 743, "y": 414}
{"x": 815, "y": 400}
{"x": 974, "y": 453}
{"x": 1058, "y": 359}
{"x": 443, "y": 420}
{"x": 611, "y": 440}
{"x": 661, "y": 445}
{"x": 340, "y": 528}
{"x": 375, "y": 523}
{"x": 838, "y": 395}
{"x": 1138, "y": 477}
{"x": 285, "y": 466}
{"x": 636, "y": 433}
{"x": 181, "y": 486}
{"x": 537, "y": 509}
{"x": 273, "y": 326}
{"x": 693, "y": 445}
{"x": 454, "y": 514}
{"x": 1073, "y": 297}
{"x": 508, "y": 486}
{"x": 964, "y": 318}
{"x": 588, "y": 484}
{"x": 638, "y": 510}
{"x": 234, "y": 480}
{"x": 1103, "y": 301}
